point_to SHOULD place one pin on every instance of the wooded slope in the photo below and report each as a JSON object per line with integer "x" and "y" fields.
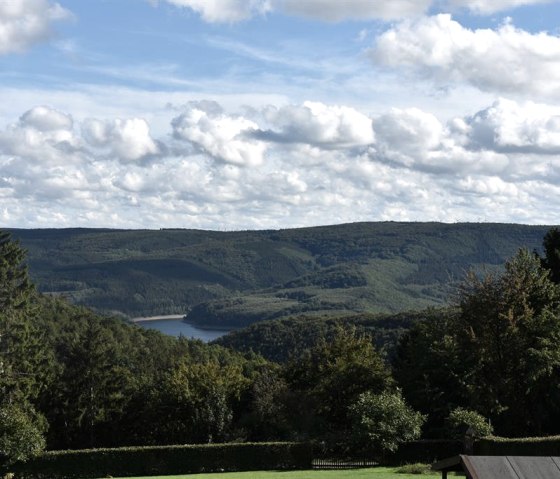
{"x": 237, "y": 278}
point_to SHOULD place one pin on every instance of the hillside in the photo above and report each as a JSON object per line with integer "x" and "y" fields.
{"x": 237, "y": 278}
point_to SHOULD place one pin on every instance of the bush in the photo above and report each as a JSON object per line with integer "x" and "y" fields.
{"x": 21, "y": 433}
{"x": 381, "y": 422}
{"x": 165, "y": 460}
{"x": 417, "y": 468}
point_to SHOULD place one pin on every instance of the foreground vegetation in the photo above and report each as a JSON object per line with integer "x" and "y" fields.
{"x": 71, "y": 379}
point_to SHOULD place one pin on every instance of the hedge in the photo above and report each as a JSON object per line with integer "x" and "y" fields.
{"x": 425, "y": 451}
{"x": 166, "y": 460}
{"x": 523, "y": 446}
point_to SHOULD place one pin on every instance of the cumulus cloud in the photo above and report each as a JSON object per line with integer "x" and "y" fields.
{"x": 45, "y": 119}
{"x": 225, "y": 138}
{"x": 326, "y": 164}
{"x": 509, "y": 126}
{"x": 42, "y": 135}
{"x": 417, "y": 140}
{"x": 319, "y": 124}
{"x": 128, "y": 139}
{"x": 505, "y": 60}
{"x": 24, "y": 23}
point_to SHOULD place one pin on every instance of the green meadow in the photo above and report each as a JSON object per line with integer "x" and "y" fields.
{"x": 371, "y": 473}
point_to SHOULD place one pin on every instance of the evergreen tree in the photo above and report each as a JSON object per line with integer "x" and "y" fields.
{"x": 24, "y": 364}
{"x": 551, "y": 260}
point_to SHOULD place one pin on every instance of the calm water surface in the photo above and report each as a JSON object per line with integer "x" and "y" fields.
{"x": 175, "y": 326}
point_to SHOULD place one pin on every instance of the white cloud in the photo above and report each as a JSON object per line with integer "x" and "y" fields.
{"x": 505, "y": 60}
{"x": 417, "y": 140}
{"x": 41, "y": 135}
{"x": 224, "y": 137}
{"x": 315, "y": 123}
{"x": 24, "y": 23}
{"x": 228, "y": 11}
{"x": 44, "y": 118}
{"x": 497, "y": 164}
{"x": 336, "y": 10}
{"x": 513, "y": 127}
{"x": 485, "y": 7}
{"x": 128, "y": 139}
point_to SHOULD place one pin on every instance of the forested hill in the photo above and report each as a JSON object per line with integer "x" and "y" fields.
{"x": 236, "y": 278}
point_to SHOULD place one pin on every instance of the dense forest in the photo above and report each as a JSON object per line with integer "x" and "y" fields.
{"x": 72, "y": 379}
{"x": 234, "y": 279}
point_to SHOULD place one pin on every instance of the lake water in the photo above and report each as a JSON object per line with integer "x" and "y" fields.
{"x": 175, "y": 326}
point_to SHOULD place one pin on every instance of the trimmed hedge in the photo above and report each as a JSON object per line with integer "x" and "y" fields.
{"x": 425, "y": 451}
{"x": 166, "y": 460}
{"x": 421, "y": 451}
{"x": 523, "y": 446}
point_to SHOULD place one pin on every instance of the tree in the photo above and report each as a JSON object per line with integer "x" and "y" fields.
{"x": 551, "y": 260}
{"x": 498, "y": 354}
{"x": 329, "y": 377}
{"x": 460, "y": 420}
{"x": 15, "y": 328}
{"x": 380, "y": 422}
{"x": 94, "y": 385}
{"x": 508, "y": 332}
{"x": 430, "y": 370}
{"x": 24, "y": 360}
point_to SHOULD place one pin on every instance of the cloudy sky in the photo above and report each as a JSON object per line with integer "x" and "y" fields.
{"x": 251, "y": 114}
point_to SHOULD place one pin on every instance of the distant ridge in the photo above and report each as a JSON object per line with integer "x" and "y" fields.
{"x": 236, "y": 278}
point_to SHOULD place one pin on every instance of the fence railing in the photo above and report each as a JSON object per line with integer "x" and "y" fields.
{"x": 341, "y": 464}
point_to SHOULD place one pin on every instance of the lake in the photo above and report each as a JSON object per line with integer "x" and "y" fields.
{"x": 175, "y": 326}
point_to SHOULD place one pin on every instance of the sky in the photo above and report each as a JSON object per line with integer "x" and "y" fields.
{"x": 270, "y": 114}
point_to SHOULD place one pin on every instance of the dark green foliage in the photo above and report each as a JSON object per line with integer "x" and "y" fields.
{"x": 166, "y": 460}
{"x": 15, "y": 287}
{"x": 335, "y": 270}
{"x": 119, "y": 385}
{"x": 282, "y": 339}
{"x": 329, "y": 377}
{"x": 551, "y": 260}
{"x": 497, "y": 354}
{"x": 24, "y": 367}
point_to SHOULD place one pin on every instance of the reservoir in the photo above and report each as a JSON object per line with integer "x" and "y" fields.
{"x": 175, "y": 326}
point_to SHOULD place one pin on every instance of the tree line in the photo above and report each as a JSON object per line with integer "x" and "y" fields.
{"x": 72, "y": 379}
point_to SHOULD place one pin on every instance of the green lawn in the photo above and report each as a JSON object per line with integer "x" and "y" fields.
{"x": 373, "y": 473}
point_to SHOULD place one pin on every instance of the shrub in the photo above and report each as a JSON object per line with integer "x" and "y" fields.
{"x": 417, "y": 468}
{"x": 21, "y": 433}
{"x": 382, "y": 421}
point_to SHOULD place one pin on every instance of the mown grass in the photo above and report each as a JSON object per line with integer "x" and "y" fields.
{"x": 371, "y": 473}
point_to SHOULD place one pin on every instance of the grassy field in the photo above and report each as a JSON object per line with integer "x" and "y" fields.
{"x": 373, "y": 473}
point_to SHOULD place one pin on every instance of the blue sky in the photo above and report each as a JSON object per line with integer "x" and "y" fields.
{"x": 244, "y": 114}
